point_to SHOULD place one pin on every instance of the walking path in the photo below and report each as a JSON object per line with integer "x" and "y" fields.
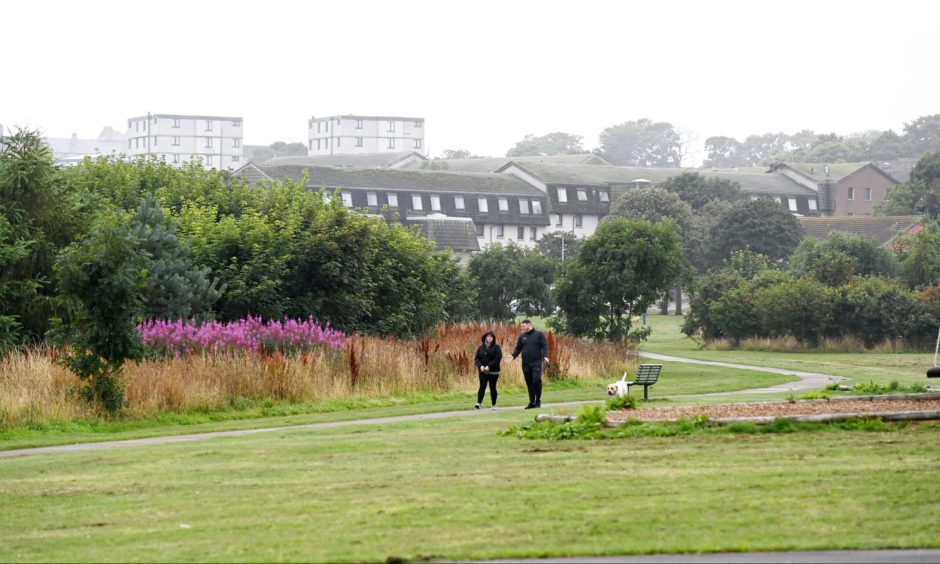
{"x": 808, "y": 380}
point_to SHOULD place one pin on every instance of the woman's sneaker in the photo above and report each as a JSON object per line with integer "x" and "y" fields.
{"x": 477, "y": 406}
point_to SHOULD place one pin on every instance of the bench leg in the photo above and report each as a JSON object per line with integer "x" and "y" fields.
{"x": 646, "y": 390}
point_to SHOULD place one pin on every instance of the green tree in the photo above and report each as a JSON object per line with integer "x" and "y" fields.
{"x": 12, "y": 289}
{"x": 723, "y": 152}
{"x": 175, "y": 288}
{"x": 761, "y": 225}
{"x": 642, "y": 143}
{"x": 558, "y": 245}
{"x": 278, "y": 149}
{"x": 920, "y": 260}
{"x": 103, "y": 276}
{"x": 538, "y": 275}
{"x": 922, "y": 135}
{"x": 497, "y": 276}
{"x": 455, "y": 154}
{"x": 920, "y": 194}
{"x": 697, "y": 190}
{"x": 557, "y": 143}
{"x": 619, "y": 271}
{"x": 826, "y": 258}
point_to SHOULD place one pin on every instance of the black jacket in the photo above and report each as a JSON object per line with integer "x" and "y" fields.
{"x": 489, "y": 356}
{"x": 533, "y": 346}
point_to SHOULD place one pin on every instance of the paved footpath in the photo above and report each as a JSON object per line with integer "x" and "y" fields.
{"x": 913, "y": 556}
{"x": 808, "y": 380}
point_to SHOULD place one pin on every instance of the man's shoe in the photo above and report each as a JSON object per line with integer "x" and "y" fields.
{"x": 530, "y": 406}
{"x": 538, "y": 405}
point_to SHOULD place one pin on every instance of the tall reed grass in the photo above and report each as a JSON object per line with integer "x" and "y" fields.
{"x": 845, "y": 344}
{"x": 35, "y": 388}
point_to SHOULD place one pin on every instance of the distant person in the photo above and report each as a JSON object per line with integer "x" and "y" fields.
{"x": 488, "y": 357}
{"x": 534, "y": 349}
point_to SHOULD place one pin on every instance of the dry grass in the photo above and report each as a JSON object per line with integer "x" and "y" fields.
{"x": 34, "y": 387}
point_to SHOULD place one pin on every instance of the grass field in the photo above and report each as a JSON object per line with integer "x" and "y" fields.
{"x": 880, "y": 368}
{"x": 456, "y": 489}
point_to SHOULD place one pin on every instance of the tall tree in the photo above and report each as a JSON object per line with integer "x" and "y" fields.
{"x": 923, "y": 134}
{"x": 762, "y": 226}
{"x": 619, "y": 272}
{"x": 557, "y": 143}
{"x": 455, "y": 154}
{"x": 723, "y": 152}
{"x": 920, "y": 194}
{"x": 697, "y": 190}
{"x": 497, "y": 277}
{"x": 642, "y": 143}
{"x": 278, "y": 149}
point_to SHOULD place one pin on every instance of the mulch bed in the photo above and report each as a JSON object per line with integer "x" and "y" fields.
{"x": 778, "y": 409}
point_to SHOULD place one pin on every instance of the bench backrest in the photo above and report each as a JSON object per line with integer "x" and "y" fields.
{"x": 648, "y": 373}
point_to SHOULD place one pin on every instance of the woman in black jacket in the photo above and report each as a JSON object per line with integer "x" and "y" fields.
{"x": 488, "y": 358}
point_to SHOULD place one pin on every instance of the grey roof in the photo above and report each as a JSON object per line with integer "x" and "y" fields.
{"x": 394, "y": 179}
{"x": 899, "y": 169}
{"x": 455, "y": 233}
{"x": 356, "y": 116}
{"x": 751, "y": 182}
{"x": 882, "y": 229}
{"x": 492, "y": 164}
{"x": 364, "y": 160}
{"x": 186, "y": 116}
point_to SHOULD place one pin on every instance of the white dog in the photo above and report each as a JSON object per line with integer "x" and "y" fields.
{"x": 619, "y": 388}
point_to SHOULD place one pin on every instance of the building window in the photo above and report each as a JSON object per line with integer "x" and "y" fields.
{"x": 458, "y": 202}
{"x": 237, "y": 142}
{"x": 347, "y": 199}
{"x": 582, "y": 196}
{"x": 236, "y": 123}
{"x": 176, "y": 158}
{"x": 209, "y": 125}
{"x": 503, "y": 205}
{"x": 520, "y": 233}
{"x": 418, "y": 124}
{"x": 208, "y": 142}
{"x": 479, "y": 229}
{"x": 208, "y": 160}
{"x": 577, "y": 221}
{"x": 557, "y": 220}
{"x": 326, "y": 126}
{"x": 318, "y": 127}
{"x": 393, "y": 200}
{"x": 536, "y": 207}
{"x": 482, "y": 204}
{"x": 337, "y": 121}
{"x": 416, "y": 202}
{"x": 499, "y": 231}
{"x": 128, "y": 143}
{"x": 235, "y": 158}
{"x": 812, "y": 204}
{"x": 372, "y": 199}
{"x": 358, "y": 124}
{"x": 851, "y": 193}
{"x": 137, "y": 142}
{"x": 176, "y": 123}
{"x": 337, "y": 141}
{"x": 604, "y": 196}
{"x": 136, "y": 126}
{"x": 532, "y": 233}
{"x": 867, "y": 194}
{"x": 318, "y": 144}
{"x": 523, "y": 206}
{"x": 792, "y": 202}
{"x": 391, "y": 126}
{"x": 391, "y": 142}
{"x": 435, "y": 203}
{"x": 310, "y": 142}
{"x": 562, "y": 195}
{"x": 417, "y": 143}
{"x": 154, "y": 140}
{"x": 358, "y": 141}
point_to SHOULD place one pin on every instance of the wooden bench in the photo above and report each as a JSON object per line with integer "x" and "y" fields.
{"x": 646, "y": 376}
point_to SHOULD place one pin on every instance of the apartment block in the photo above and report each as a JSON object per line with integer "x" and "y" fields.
{"x": 214, "y": 140}
{"x": 350, "y": 134}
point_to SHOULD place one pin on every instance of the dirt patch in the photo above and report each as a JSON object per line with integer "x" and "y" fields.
{"x": 777, "y": 409}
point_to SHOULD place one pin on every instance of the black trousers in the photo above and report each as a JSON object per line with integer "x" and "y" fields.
{"x": 533, "y": 381}
{"x": 486, "y": 378}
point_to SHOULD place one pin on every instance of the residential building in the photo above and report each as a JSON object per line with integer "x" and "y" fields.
{"x": 72, "y": 150}
{"x": 498, "y": 207}
{"x": 364, "y": 134}
{"x": 214, "y": 140}
{"x": 492, "y": 164}
{"x": 844, "y": 189}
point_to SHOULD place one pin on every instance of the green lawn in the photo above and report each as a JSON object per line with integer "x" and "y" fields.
{"x": 456, "y": 489}
{"x": 906, "y": 368}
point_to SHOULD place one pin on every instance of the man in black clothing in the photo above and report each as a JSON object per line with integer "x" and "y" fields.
{"x": 534, "y": 348}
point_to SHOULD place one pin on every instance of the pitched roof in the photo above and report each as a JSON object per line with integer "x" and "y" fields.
{"x": 817, "y": 171}
{"x": 492, "y": 164}
{"x": 881, "y": 229}
{"x": 394, "y": 179}
{"x": 365, "y": 160}
{"x": 455, "y": 233}
{"x": 751, "y": 182}
{"x": 899, "y": 169}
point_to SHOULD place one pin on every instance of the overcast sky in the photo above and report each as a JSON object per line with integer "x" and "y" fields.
{"x": 483, "y": 73}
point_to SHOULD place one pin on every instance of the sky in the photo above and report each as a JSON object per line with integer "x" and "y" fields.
{"x": 483, "y": 74}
